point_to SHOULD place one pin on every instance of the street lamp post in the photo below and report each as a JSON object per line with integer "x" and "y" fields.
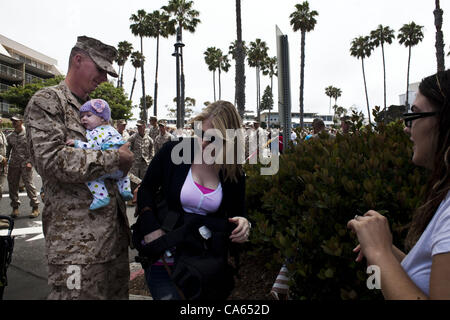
{"x": 177, "y": 55}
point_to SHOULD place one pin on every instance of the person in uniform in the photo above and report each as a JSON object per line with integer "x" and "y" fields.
{"x": 153, "y": 131}
{"x": 142, "y": 146}
{"x": 162, "y": 137}
{"x": 20, "y": 166}
{"x": 121, "y": 127}
{"x": 3, "y": 167}
{"x": 87, "y": 251}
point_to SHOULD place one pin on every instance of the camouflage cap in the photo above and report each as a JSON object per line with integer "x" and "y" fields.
{"x": 17, "y": 117}
{"x": 162, "y": 123}
{"x": 153, "y": 118}
{"x": 103, "y": 55}
{"x": 140, "y": 123}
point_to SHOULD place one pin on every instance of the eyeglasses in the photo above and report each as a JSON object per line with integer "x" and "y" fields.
{"x": 410, "y": 117}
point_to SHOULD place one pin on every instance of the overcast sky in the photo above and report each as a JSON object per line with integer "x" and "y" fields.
{"x": 52, "y": 26}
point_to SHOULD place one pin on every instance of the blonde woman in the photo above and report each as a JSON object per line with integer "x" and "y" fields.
{"x": 201, "y": 196}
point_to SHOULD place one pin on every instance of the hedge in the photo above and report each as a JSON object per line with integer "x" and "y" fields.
{"x": 301, "y": 213}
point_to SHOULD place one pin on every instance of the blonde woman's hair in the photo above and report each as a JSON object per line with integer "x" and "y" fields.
{"x": 223, "y": 116}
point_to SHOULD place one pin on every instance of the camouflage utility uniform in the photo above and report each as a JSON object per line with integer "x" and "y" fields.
{"x": 142, "y": 147}
{"x": 160, "y": 140}
{"x": 3, "y": 161}
{"x": 18, "y": 155}
{"x": 153, "y": 132}
{"x": 125, "y": 135}
{"x": 89, "y": 246}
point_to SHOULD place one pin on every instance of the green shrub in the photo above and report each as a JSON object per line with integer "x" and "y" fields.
{"x": 301, "y": 214}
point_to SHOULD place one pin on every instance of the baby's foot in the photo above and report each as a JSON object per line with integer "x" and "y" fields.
{"x": 126, "y": 195}
{"x": 99, "y": 203}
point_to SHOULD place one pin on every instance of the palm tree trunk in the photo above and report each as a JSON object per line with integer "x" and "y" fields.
{"x": 257, "y": 95}
{"x": 121, "y": 76}
{"x": 220, "y": 86}
{"x": 143, "y": 86}
{"x": 407, "y": 80}
{"x": 302, "y": 76}
{"x": 182, "y": 85}
{"x": 330, "y": 104}
{"x": 214, "y": 84}
{"x": 384, "y": 74}
{"x": 439, "y": 38}
{"x": 134, "y": 81}
{"x": 155, "y": 100}
{"x": 365, "y": 88}
{"x": 118, "y": 79}
{"x": 240, "y": 64}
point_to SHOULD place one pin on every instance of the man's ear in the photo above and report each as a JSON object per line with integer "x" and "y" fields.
{"x": 77, "y": 59}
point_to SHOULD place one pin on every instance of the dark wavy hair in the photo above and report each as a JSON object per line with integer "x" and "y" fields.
{"x": 436, "y": 89}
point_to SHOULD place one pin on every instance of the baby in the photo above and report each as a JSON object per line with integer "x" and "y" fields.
{"x": 95, "y": 115}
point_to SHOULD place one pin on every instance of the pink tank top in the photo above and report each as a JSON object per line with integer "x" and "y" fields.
{"x": 195, "y": 198}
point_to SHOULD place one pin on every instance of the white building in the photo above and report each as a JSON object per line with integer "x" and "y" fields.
{"x": 308, "y": 118}
{"x": 412, "y": 91}
{"x": 20, "y": 65}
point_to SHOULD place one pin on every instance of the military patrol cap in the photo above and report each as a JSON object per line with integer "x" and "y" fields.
{"x": 103, "y": 55}
{"x": 140, "y": 123}
{"x": 17, "y": 117}
{"x": 162, "y": 123}
{"x": 152, "y": 118}
{"x": 122, "y": 121}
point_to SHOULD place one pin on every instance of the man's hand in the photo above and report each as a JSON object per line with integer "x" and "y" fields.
{"x": 70, "y": 142}
{"x": 126, "y": 158}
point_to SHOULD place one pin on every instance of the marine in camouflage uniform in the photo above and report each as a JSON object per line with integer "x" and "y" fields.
{"x": 121, "y": 125}
{"x": 20, "y": 167}
{"x": 3, "y": 168}
{"x": 162, "y": 137}
{"x": 3, "y": 159}
{"x": 142, "y": 146}
{"x": 94, "y": 245}
{"x": 153, "y": 131}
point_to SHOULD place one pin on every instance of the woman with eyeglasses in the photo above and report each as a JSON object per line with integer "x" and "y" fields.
{"x": 423, "y": 273}
{"x": 202, "y": 195}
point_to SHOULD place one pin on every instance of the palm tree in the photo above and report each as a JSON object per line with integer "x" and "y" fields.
{"x": 161, "y": 25}
{"x": 211, "y": 60}
{"x": 239, "y": 77}
{"x": 409, "y": 35}
{"x": 329, "y": 93}
{"x": 187, "y": 19}
{"x": 304, "y": 20}
{"x": 224, "y": 65}
{"x": 337, "y": 93}
{"x": 267, "y": 102}
{"x": 137, "y": 60}
{"x": 270, "y": 69}
{"x": 124, "y": 49}
{"x": 147, "y": 103}
{"x": 362, "y": 48}
{"x": 439, "y": 37}
{"x": 141, "y": 27}
{"x": 257, "y": 55}
{"x": 380, "y": 36}
{"x": 239, "y": 56}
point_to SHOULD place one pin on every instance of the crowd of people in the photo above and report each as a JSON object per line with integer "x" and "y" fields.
{"x": 190, "y": 216}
